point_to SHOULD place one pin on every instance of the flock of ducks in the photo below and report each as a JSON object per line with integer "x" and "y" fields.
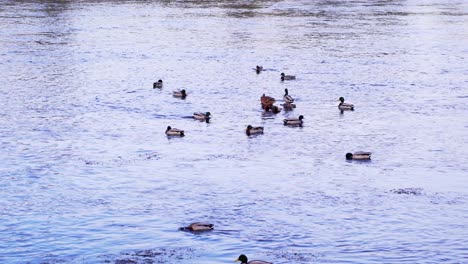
{"x": 267, "y": 104}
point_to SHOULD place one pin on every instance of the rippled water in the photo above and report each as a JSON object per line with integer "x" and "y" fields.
{"x": 88, "y": 175}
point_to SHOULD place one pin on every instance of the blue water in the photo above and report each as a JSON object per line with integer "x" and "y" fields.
{"x": 87, "y": 174}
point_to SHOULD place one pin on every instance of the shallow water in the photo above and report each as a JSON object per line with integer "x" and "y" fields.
{"x": 88, "y": 175}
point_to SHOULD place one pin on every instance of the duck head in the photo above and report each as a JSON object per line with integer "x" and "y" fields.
{"x": 349, "y": 156}
{"x": 341, "y": 99}
{"x": 285, "y": 91}
{"x": 301, "y": 117}
{"x": 168, "y": 128}
{"x": 242, "y": 259}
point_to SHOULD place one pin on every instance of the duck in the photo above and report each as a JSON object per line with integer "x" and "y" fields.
{"x": 253, "y": 130}
{"x": 345, "y": 106}
{"x": 288, "y": 106}
{"x": 158, "y": 84}
{"x": 287, "y": 98}
{"x": 174, "y": 132}
{"x": 258, "y": 69}
{"x": 244, "y": 260}
{"x": 359, "y": 155}
{"x": 275, "y": 109}
{"x": 179, "y": 94}
{"x": 267, "y": 101}
{"x": 287, "y": 77}
{"x": 294, "y": 121}
{"x": 202, "y": 116}
{"x": 198, "y": 226}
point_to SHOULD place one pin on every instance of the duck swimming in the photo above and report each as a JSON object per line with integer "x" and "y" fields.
{"x": 288, "y": 106}
{"x": 180, "y": 94}
{"x": 258, "y": 69}
{"x": 202, "y": 116}
{"x": 359, "y": 155}
{"x": 287, "y": 98}
{"x": 197, "y": 226}
{"x": 285, "y": 77}
{"x": 253, "y": 130}
{"x": 345, "y": 106}
{"x": 243, "y": 260}
{"x": 158, "y": 84}
{"x": 294, "y": 121}
{"x": 174, "y": 132}
{"x": 266, "y": 101}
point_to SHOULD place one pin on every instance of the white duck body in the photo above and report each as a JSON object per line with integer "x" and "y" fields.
{"x": 180, "y": 93}
{"x": 359, "y": 155}
{"x": 198, "y": 226}
{"x": 202, "y": 116}
{"x": 345, "y": 106}
{"x": 294, "y": 121}
{"x": 174, "y": 132}
{"x": 287, "y": 98}
{"x": 285, "y": 77}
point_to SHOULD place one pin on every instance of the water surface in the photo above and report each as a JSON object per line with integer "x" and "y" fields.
{"x": 87, "y": 174}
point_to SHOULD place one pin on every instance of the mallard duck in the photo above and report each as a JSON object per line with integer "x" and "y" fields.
{"x": 285, "y": 77}
{"x": 174, "y": 132}
{"x": 287, "y": 98}
{"x": 258, "y": 69}
{"x": 179, "y": 94}
{"x": 275, "y": 109}
{"x": 288, "y": 106}
{"x": 243, "y": 260}
{"x": 294, "y": 121}
{"x": 360, "y": 155}
{"x": 158, "y": 84}
{"x": 202, "y": 116}
{"x": 198, "y": 226}
{"x": 267, "y": 101}
{"x": 345, "y": 106}
{"x": 253, "y": 130}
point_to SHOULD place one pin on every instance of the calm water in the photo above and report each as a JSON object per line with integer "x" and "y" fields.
{"x": 87, "y": 174}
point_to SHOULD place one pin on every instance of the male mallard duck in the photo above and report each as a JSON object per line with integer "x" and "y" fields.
{"x": 243, "y": 260}
{"x": 287, "y": 77}
{"x": 202, "y": 116}
{"x": 294, "y": 121}
{"x": 267, "y": 101}
{"x": 360, "y": 155}
{"x": 258, "y": 69}
{"x": 174, "y": 132}
{"x": 197, "y": 226}
{"x": 179, "y": 94}
{"x": 345, "y": 106}
{"x": 253, "y": 130}
{"x": 288, "y": 106}
{"x": 287, "y": 98}
{"x": 158, "y": 84}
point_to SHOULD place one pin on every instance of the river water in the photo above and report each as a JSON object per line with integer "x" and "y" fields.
{"x": 87, "y": 174}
